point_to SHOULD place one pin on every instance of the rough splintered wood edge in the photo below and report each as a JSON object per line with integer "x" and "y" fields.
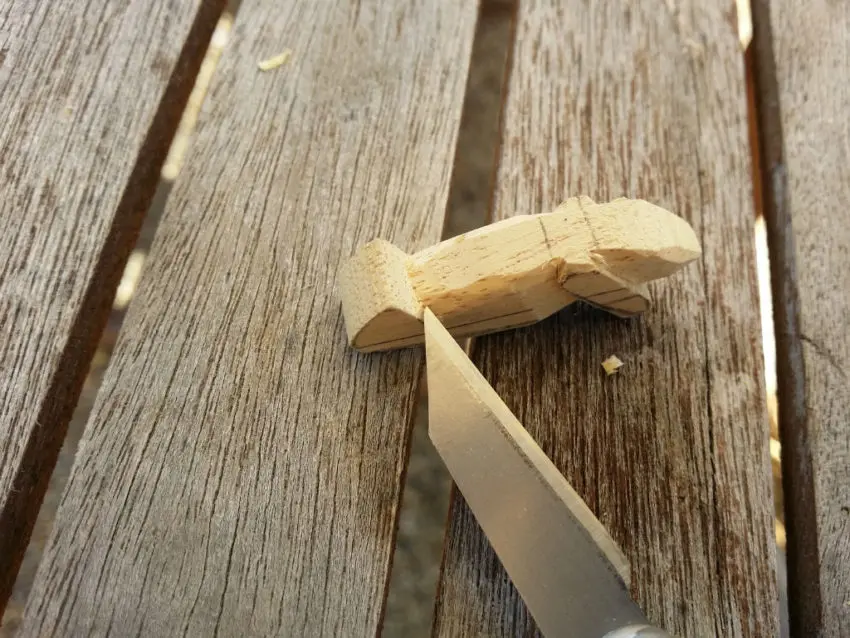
{"x": 442, "y": 348}
{"x": 515, "y": 272}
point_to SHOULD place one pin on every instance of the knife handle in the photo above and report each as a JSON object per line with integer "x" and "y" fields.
{"x": 638, "y": 631}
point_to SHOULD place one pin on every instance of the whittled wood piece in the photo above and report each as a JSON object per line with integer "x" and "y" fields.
{"x": 804, "y": 97}
{"x": 515, "y": 272}
{"x": 90, "y": 96}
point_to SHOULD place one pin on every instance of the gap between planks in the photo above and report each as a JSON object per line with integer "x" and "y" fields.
{"x": 360, "y": 611}
{"x": 800, "y": 81}
{"x": 427, "y": 486}
{"x": 68, "y": 246}
{"x": 13, "y": 614}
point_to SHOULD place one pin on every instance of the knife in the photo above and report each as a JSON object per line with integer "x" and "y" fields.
{"x": 567, "y": 568}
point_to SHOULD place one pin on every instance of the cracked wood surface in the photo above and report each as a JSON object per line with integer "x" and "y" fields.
{"x": 240, "y": 473}
{"x": 803, "y": 60}
{"x": 90, "y": 97}
{"x": 643, "y": 100}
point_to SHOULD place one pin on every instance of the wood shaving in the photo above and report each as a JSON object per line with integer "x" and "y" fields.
{"x": 612, "y": 364}
{"x": 276, "y": 61}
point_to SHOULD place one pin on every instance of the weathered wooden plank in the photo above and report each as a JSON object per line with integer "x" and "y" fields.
{"x": 241, "y": 470}
{"x": 90, "y": 95}
{"x": 803, "y": 78}
{"x": 644, "y": 100}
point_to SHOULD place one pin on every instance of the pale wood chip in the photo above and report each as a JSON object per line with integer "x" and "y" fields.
{"x": 612, "y": 364}
{"x": 276, "y": 61}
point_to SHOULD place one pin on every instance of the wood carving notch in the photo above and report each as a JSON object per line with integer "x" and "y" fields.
{"x": 514, "y": 272}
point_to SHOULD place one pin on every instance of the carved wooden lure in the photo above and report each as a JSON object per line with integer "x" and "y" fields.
{"x": 514, "y": 272}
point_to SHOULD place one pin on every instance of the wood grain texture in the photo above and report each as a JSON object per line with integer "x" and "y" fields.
{"x": 241, "y": 472}
{"x": 514, "y": 272}
{"x": 90, "y": 97}
{"x": 803, "y": 75}
{"x": 643, "y": 100}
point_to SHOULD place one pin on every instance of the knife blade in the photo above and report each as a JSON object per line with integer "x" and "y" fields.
{"x": 567, "y": 568}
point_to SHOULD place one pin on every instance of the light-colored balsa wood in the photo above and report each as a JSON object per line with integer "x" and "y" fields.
{"x": 515, "y": 272}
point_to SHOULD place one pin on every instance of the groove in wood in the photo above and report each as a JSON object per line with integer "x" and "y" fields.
{"x": 90, "y": 97}
{"x": 802, "y": 79}
{"x": 241, "y": 471}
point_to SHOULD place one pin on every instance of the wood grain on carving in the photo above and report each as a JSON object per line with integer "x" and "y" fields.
{"x": 643, "y": 100}
{"x": 804, "y": 99}
{"x": 90, "y": 95}
{"x": 241, "y": 471}
{"x": 515, "y": 272}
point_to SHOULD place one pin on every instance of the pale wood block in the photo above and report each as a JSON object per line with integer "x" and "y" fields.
{"x": 515, "y": 272}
